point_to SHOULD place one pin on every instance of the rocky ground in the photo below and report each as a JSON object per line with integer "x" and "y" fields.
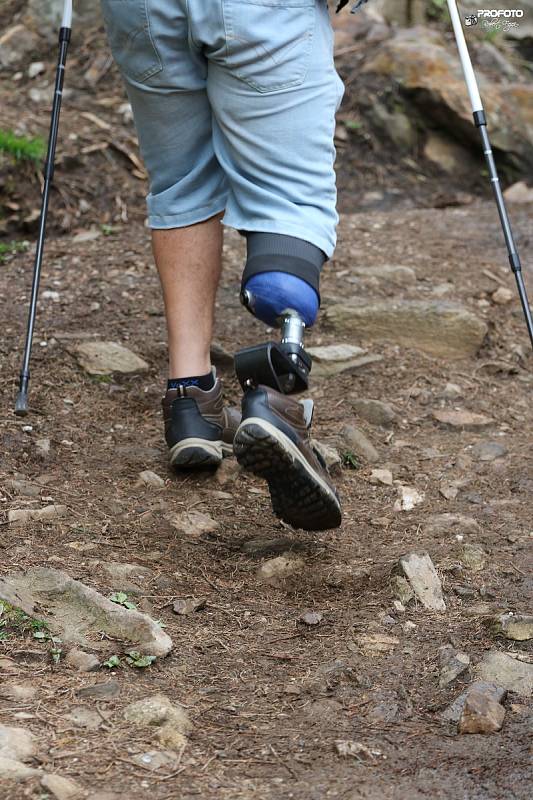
{"x": 163, "y": 633}
{"x": 300, "y": 666}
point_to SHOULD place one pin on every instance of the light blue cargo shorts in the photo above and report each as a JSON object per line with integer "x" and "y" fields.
{"x": 234, "y": 103}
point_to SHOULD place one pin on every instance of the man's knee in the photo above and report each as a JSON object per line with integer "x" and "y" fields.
{"x": 281, "y": 272}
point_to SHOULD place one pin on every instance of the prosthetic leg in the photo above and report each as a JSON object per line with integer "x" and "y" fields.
{"x": 280, "y": 287}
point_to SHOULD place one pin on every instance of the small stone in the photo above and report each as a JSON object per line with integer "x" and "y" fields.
{"x": 374, "y": 411}
{"x": 13, "y": 770}
{"x": 171, "y": 720}
{"x": 83, "y": 717}
{"x": 311, "y": 618}
{"x": 518, "y": 627}
{"x": 24, "y": 515}
{"x": 24, "y": 488}
{"x": 454, "y": 711}
{"x": 16, "y": 743}
{"x": 446, "y": 524}
{"x": 519, "y": 192}
{"x": 334, "y": 359}
{"x": 351, "y": 749}
{"x": 383, "y": 476}
{"x": 276, "y": 571}
{"x": 508, "y": 672}
{"x": 330, "y": 455}
{"x": 452, "y": 391}
{"x": 419, "y": 570}
{"x": 482, "y": 711}
{"x": 453, "y": 664}
{"x": 488, "y": 451}
{"x": 189, "y": 605}
{"x": 152, "y": 479}
{"x": 82, "y": 661}
{"x": 465, "y": 592}
{"x": 409, "y": 497}
{"x": 156, "y": 759}
{"x": 106, "y": 796}
{"x": 355, "y": 440}
{"x": 465, "y": 420}
{"x": 228, "y": 471}
{"x": 62, "y": 788}
{"x": 36, "y": 68}
{"x": 193, "y": 523}
{"x": 409, "y": 626}
{"x": 372, "y": 644}
{"x": 399, "y": 606}
{"x": 473, "y": 557}
{"x": 502, "y": 296}
{"x": 104, "y": 358}
{"x": 100, "y": 691}
{"x": 17, "y": 692}
{"x": 43, "y": 446}
{"x": 448, "y": 490}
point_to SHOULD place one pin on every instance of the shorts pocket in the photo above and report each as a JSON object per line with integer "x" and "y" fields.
{"x": 128, "y": 30}
{"x": 269, "y": 42}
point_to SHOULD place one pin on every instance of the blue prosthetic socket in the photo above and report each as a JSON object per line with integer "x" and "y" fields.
{"x": 269, "y": 294}
{"x": 282, "y": 272}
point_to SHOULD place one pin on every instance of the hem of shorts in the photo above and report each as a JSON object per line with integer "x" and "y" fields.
{"x": 287, "y": 228}
{"x": 159, "y": 222}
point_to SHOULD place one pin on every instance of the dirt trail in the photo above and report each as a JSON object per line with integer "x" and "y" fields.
{"x": 268, "y": 696}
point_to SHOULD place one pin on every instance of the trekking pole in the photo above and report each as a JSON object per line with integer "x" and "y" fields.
{"x": 21, "y": 405}
{"x": 480, "y": 122}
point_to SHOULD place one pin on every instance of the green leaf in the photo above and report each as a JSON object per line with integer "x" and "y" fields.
{"x": 136, "y": 659}
{"x": 112, "y": 661}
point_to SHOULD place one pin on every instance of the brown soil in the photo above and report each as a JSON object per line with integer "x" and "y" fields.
{"x": 268, "y": 696}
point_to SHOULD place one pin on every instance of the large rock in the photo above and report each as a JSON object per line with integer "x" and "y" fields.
{"x": 79, "y": 614}
{"x": 430, "y": 75}
{"x": 16, "y": 45}
{"x": 104, "y": 358}
{"x": 440, "y": 328}
{"x": 508, "y": 672}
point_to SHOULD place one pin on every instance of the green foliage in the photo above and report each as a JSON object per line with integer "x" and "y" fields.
{"x": 10, "y": 248}
{"x": 437, "y": 9}
{"x": 21, "y": 148}
{"x": 112, "y": 662}
{"x": 136, "y": 659}
{"x": 15, "y": 621}
{"x": 350, "y": 460}
{"x": 121, "y": 599}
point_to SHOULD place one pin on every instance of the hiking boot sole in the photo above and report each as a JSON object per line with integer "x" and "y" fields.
{"x": 197, "y": 452}
{"x": 299, "y": 495}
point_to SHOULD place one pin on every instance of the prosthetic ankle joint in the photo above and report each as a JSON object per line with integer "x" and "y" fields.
{"x": 280, "y": 287}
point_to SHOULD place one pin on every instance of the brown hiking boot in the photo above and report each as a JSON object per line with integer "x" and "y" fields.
{"x": 273, "y": 442}
{"x": 199, "y": 429}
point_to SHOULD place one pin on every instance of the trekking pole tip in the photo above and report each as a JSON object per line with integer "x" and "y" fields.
{"x": 21, "y": 404}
